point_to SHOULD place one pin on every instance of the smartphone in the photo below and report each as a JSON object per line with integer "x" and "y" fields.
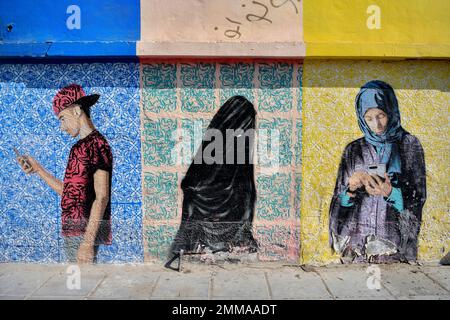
{"x": 377, "y": 169}
{"x": 18, "y": 155}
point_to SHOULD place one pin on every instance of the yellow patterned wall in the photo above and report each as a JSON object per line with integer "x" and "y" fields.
{"x": 329, "y": 124}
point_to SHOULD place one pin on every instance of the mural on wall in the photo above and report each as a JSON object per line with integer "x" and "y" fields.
{"x": 179, "y": 102}
{"x": 86, "y": 189}
{"x": 330, "y": 123}
{"x": 376, "y": 209}
{"x": 219, "y": 188}
{"x": 174, "y": 96}
{"x": 35, "y": 220}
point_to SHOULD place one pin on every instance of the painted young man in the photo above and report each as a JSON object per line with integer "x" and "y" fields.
{"x": 86, "y": 189}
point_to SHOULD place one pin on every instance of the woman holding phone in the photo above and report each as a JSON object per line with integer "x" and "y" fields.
{"x": 376, "y": 210}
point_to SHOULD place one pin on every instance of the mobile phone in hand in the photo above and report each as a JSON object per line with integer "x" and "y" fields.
{"x": 27, "y": 165}
{"x": 377, "y": 169}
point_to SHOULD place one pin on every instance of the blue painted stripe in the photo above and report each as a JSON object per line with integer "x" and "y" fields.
{"x": 65, "y": 59}
{"x": 23, "y": 49}
{"x": 92, "y": 49}
{"x": 69, "y": 49}
{"x": 69, "y": 28}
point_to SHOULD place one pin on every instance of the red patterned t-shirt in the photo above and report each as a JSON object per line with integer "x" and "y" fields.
{"x": 86, "y": 157}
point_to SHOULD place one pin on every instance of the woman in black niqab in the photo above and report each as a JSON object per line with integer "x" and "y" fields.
{"x": 219, "y": 198}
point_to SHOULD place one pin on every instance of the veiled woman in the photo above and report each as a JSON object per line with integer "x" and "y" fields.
{"x": 376, "y": 210}
{"x": 219, "y": 188}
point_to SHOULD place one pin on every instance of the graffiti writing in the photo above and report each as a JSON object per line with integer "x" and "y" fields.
{"x": 275, "y": 4}
{"x": 233, "y": 33}
{"x": 253, "y": 17}
{"x": 261, "y": 14}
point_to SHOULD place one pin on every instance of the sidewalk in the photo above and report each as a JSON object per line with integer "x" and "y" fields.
{"x": 227, "y": 281}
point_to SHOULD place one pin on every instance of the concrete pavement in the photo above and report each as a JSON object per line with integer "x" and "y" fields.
{"x": 227, "y": 281}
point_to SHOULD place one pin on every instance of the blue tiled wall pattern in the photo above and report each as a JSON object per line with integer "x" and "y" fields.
{"x": 29, "y": 211}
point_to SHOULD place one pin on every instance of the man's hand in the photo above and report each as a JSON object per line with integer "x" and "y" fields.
{"x": 377, "y": 187}
{"x": 28, "y": 164}
{"x": 85, "y": 253}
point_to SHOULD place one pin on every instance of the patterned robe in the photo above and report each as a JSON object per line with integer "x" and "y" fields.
{"x": 372, "y": 229}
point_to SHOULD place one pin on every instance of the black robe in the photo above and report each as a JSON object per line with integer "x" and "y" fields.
{"x": 219, "y": 199}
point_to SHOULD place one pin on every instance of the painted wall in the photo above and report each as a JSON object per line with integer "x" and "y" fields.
{"x": 330, "y": 123}
{"x": 218, "y": 28}
{"x": 210, "y": 21}
{"x": 171, "y": 96}
{"x": 376, "y": 28}
{"x": 30, "y": 223}
{"x": 143, "y": 104}
{"x": 69, "y": 28}
{"x": 175, "y": 96}
{"x": 221, "y": 28}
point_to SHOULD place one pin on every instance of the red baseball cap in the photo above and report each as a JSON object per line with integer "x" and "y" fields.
{"x": 71, "y": 94}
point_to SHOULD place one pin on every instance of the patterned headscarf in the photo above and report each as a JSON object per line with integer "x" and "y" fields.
{"x": 379, "y": 94}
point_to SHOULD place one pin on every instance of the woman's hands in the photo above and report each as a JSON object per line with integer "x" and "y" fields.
{"x": 356, "y": 181}
{"x": 373, "y": 184}
{"x": 377, "y": 187}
